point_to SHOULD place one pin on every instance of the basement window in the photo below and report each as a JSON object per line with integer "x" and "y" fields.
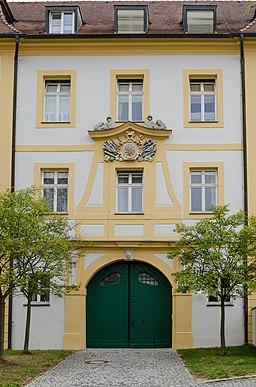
{"x": 131, "y": 19}
{"x": 200, "y": 19}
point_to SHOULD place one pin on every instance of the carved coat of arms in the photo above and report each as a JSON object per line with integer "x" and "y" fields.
{"x": 130, "y": 148}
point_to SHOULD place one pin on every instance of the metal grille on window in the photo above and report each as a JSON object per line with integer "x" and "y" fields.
{"x": 148, "y": 279}
{"x": 111, "y": 279}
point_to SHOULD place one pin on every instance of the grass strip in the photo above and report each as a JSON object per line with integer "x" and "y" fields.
{"x": 207, "y": 363}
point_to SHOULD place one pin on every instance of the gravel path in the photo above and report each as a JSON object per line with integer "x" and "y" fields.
{"x": 126, "y": 367}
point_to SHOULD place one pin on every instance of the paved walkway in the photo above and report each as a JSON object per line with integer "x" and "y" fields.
{"x": 126, "y": 367}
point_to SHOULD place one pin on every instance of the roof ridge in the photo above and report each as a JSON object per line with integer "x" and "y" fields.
{"x": 3, "y": 19}
{"x": 248, "y": 25}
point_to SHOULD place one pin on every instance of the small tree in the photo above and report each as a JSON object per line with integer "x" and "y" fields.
{"x": 213, "y": 254}
{"x": 44, "y": 251}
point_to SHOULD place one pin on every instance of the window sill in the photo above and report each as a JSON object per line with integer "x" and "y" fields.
{"x": 129, "y": 213}
{"x": 218, "y": 304}
{"x": 123, "y": 122}
{"x": 38, "y": 304}
{"x": 55, "y": 122}
{"x": 203, "y": 122}
{"x": 201, "y": 213}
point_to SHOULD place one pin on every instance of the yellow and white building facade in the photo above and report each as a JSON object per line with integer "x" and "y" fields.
{"x": 128, "y": 136}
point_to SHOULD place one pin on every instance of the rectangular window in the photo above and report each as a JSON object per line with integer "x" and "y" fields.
{"x": 212, "y": 297}
{"x": 203, "y": 190}
{"x": 43, "y": 295}
{"x": 202, "y": 100}
{"x": 131, "y": 19}
{"x": 129, "y": 191}
{"x": 62, "y": 22}
{"x": 199, "y": 19}
{"x": 57, "y": 101}
{"x": 129, "y": 100}
{"x": 55, "y": 190}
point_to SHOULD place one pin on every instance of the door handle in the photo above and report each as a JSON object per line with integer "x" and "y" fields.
{"x": 133, "y": 323}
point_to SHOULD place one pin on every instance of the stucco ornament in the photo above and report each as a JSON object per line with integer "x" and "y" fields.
{"x": 128, "y": 255}
{"x": 131, "y": 148}
{"x": 108, "y": 124}
{"x": 149, "y": 123}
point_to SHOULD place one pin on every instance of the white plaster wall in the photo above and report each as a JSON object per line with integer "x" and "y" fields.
{"x": 206, "y": 323}
{"x": 47, "y": 324}
{"x": 233, "y": 181}
{"x": 25, "y": 167}
{"x": 93, "y": 95}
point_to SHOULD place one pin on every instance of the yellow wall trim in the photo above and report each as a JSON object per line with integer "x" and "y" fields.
{"x": 55, "y": 74}
{"x": 129, "y": 73}
{"x": 219, "y": 166}
{"x": 199, "y": 73}
{"x": 39, "y": 167}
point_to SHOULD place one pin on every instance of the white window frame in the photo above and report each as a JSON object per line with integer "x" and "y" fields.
{"x": 203, "y": 186}
{"x": 38, "y": 296}
{"x": 55, "y": 187}
{"x": 130, "y": 93}
{"x": 129, "y": 185}
{"x": 202, "y": 93}
{"x": 62, "y": 13}
{"x": 57, "y": 95}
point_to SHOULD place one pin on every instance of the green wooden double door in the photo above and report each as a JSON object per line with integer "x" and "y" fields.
{"x": 129, "y": 304}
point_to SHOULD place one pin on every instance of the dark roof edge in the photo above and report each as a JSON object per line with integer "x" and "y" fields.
{"x": 129, "y": 36}
{"x": 7, "y": 11}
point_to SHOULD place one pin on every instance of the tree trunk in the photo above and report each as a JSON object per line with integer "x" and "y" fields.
{"x": 27, "y": 328}
{"x": 222, "y": 327}
{"x": 2, "y": 316}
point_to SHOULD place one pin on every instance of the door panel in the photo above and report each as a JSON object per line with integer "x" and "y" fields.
{"x": 129, "y": 305}
{"x": 107, "y": 324}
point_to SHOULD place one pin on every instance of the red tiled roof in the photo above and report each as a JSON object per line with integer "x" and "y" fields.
{"x": 165, "y": 17}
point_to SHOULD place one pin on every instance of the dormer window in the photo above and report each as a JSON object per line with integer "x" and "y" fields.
{"x": 199, "y": 19}
{"x": 131, "y": 19}
{"x": 63, "y": 20}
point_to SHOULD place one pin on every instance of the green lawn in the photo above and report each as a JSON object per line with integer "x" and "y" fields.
{"x": 207, "y": 363}
{"x": 19, "y": 369}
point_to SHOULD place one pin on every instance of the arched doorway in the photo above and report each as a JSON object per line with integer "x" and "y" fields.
{"x": 129, "y": 304}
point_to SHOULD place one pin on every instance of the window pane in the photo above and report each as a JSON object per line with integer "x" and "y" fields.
{"x": 148, "y": 279}
{"x": 50, "y": 108}
{"x": 56, "y": 23}
{"x": 112, "y": 279}
{"x": 123, "y": 86}
{"x": 196, "y": 177}
{"x": 130, "y": 20}
{"x": 51, "y": 88}
{"x": 123, "y": 108}
{"x": 195, "y": 107}
{"x": 123, "y": 178}
{"x": 62, "y": 199}
{"x": 48, "y": 194}
{"x": 210, "y": 177}
{"x": 196, "y": 199}
{"x": 200, "y": 20}
{"x": 209, "y": 107}
{"x": 137, "y": 87}
{"x": 122, "y": 199}
{"x": 48, "y": 177}
{"x": 68, "y": 23}
{"x": 64, "y": 108}
{"x": 62, "y": 178}
{"x": 209, "y": 86}
{"x": 136, "y": 199}
{"x": 195, "y": 86}
{"x": 210, "y": 197}
{"x": 136, "y": 108}
{"x": 137, "y": 177}
{"x": 65, "y": 88}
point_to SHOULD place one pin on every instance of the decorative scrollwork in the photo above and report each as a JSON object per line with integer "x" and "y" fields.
{"x": 130, "y": 148}
{"x": 108, "y": 124}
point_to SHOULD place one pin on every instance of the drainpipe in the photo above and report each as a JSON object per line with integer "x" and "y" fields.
{"x": 242, "y": 67}
{"x": 15, "y": 77}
